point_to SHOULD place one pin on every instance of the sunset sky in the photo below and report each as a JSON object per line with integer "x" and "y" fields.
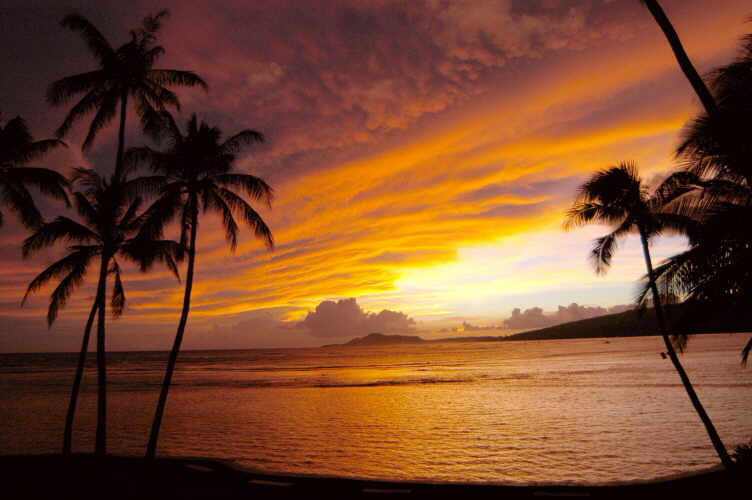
{"x": 422, "y": 153}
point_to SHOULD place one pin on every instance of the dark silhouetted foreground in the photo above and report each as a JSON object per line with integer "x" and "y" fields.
{"x": 87, "y": 476}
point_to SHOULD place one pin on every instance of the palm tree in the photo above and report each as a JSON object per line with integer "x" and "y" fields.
{"x": 616, "y": 196}
{"x": 706, "y": 98}
{"x": 714, "y": 187}
{"x": 198, "y": 168}
{"x": 107, "y": 230}
{"x": 123, "y": 72}
{"x": 17, "y": 149}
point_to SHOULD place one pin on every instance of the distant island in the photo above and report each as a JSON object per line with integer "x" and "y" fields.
{"x": 379, "y": 339}
{"x": 633, "y": 323}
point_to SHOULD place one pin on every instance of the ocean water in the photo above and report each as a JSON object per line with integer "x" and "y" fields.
{"x": 570, "y": 411}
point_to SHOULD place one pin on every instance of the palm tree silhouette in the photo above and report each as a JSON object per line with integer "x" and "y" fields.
{"x": 616, "y": 196}
{"x": 198, "y": 170}
{"x": 714, "y": 187}
{"x": 17, "y": 149}
{"x": 108, "y": 230}
{"x": 706, "y": 98}
{"x": 124, "y": 72}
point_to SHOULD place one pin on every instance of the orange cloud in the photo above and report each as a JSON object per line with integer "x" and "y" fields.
{"x": 402, "y": 135}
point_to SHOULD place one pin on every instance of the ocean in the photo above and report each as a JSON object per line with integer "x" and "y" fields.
{"x": 584, "y": 411}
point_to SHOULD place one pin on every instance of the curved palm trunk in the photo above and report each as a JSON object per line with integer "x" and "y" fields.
{"x": 151, "y": 449}
{"x": 121, "y": 136}
{"x": 68, "y": 432}
{"x": 709, "y": 427}
{"x": 100, "y": 447}
{"x": 685, "y": 64}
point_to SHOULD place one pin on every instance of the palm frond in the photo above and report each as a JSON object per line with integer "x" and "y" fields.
{"x": 61, "y": 228}
{"x": 675, "y": 186}
{"x": 151, "y": 55}
{"x": 63, "y": 90}
{"x": 63, "y": 291}
{"x": 117, "y": 300}
{"x": 87, "y": 178}
{"x": 18, "y": 199}
{"x": 148, "y": 112}
{"x": 604, "y": 247}
{"x": 160, "y": 213}
{"x": 85, "y": 209}
{"x": 251, "y": 218}
{"x": 137, "y": 157}
{"x": 47, "y": 181}
{"x": 583, "y": 213}
{"x": 150, "y": 25}
{"x": 97, "y": 44}
{"x": 253, "y": 186}
{"x": 26, "y": 152}
{"x": 170, "y": 130}
{"x": 145, "y": 186}
{"x": 86, "y": 105}
{"x": 675, "y": 223}
{"x": 177, "y": 78}
{"x": 154, "y": 96}
{"x": 244, "y": 138}
{"x": 126, "y": 222}
{"x": 213, "y": 202}
{"x": 145, "y": 252}
{"x": 78, "y": 258}
{"x": 106, "y": 111}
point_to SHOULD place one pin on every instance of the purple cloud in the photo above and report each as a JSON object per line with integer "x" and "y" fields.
{"x": 345, "y": 318}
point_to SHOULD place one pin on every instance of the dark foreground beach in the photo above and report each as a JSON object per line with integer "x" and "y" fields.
{"x": 86, "y": 476}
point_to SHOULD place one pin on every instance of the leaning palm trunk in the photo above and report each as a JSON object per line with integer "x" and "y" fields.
{"x": 100, "y": 446}
{"x": 685, "y": 64}
{"x": 151, "y": 450}
{"x": 709, "y": 427}
{"x": 68, "y": 432}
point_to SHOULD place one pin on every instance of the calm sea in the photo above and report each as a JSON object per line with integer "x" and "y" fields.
{"x": 575, "y": 411}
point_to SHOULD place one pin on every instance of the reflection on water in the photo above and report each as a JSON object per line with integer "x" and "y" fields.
{"x": 555, "y": 411}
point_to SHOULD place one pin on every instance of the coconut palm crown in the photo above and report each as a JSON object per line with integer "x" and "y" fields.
{"x": 198, "y": 170}
{"x": 617, "y": 197}
{"x": 123, "y": 73}
{"x": 109, "y": 225}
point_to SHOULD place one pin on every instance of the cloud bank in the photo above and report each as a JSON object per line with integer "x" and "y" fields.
{"x": 346, "y": 318}
{"x": 534, "y": 317}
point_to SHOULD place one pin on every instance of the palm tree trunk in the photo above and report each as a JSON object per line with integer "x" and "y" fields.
{"x": 709, "y": 427}
{"x": 151, "y": 449}
{"x": 121, "y": 136}
{"x": 706, "y": 98}
{"x": 68, "y": 432}
{"x": 100, "y": 447}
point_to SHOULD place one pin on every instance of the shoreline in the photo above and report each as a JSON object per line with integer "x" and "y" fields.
{"x": 449, "y": 340}
{"x": 527, "y": 336}
{"x": 88, "y": 476}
